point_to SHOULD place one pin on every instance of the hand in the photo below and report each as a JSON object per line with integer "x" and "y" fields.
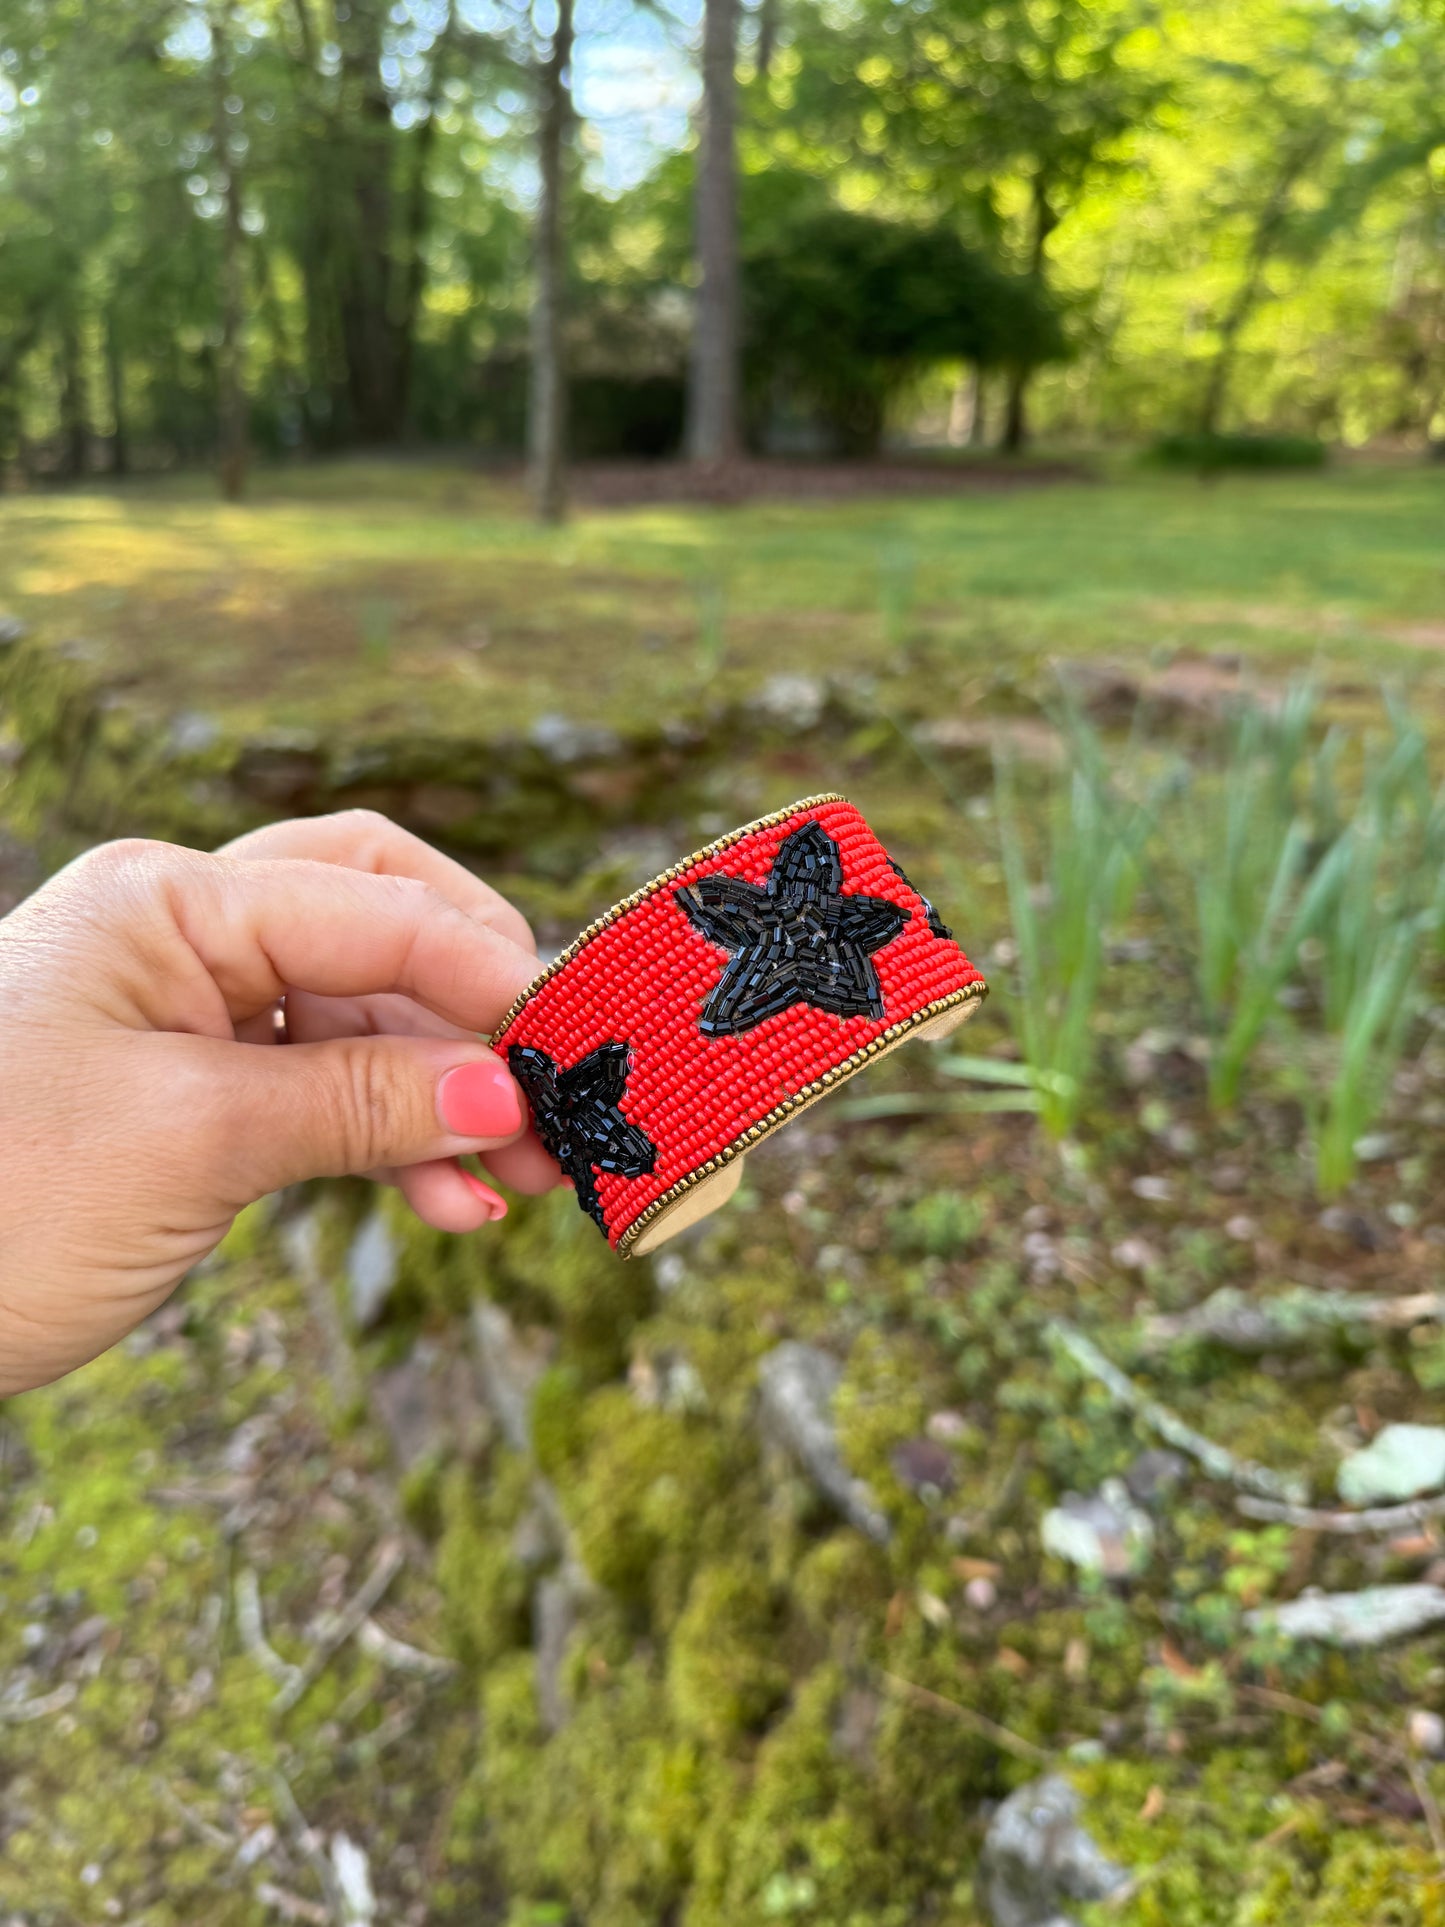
{"x": 143, "y": 1101}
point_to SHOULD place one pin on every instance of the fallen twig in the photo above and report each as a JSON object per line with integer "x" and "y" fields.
{"x": 1217, "y": 1460}
{"x": 19, "y": 1711}
{"x": 381, "y": 1645}
{"x": 251, "y": 1625}
{"x": 988, "y": 1729}
{"x": 1430, "y": 1806}
{"x": 203, "y": 1828}
{"x": 1380, "y": 1518}
{"x": 291, "y": 1906}
{"x": 1295, "y": 1319}
{"x": 305, "y": 1840}
{"x": 343, "y": 1625}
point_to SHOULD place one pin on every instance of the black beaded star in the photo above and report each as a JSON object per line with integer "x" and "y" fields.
{"x": 931, "y": 916}
{"x": 795, "y": 939}
{"x": 576, "y": 1115}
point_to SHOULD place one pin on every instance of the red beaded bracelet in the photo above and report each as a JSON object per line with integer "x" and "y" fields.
{"x": 717, "y": 1002}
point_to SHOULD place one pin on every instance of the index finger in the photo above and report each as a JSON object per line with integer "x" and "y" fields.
{"x": 367, "y": 840}
{"x": 261, "y": 928}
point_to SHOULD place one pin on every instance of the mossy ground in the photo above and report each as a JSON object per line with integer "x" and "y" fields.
{"x": 757, "y": 1714}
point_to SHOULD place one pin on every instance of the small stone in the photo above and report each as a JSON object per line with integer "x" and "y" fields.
{"x": 279, "y": 766}
{"x": 12, "y": 630}
{"x": 795, "y": 701}
{"x": 1375, "y": 1146}
{"x": 352, "y": 1870}
{"x": 1163, "y": 1058}
{"x": 1042, "y": 1254}
{"x": 924, "y": 1467}
{"x": 1152, "y": 1190}
{"x": 1354, "y": 1225}
{"x": 371, "y": 1269}
{"x": 510, "y": 1362}
{"x": 1104, "y": 1532}
{"x": 1156, "y": 1474}
{"x": 669, "y": 1270}
{"x": 554, "y": 1620}
{"x": 561, "y": 740}
{"x": 1241, "y": 1227}
{"x": 1426, "y": 1732}
{"x": 1038, "y": 1858}
{"x": 1372, "y": 1617}
{"x": 797, "y": 1384}
{"x": 1135, "y": 1254}
{"x": 192, "y": 733}
{"x": 947, "y": 1427}
{"x": 1400, "y": 1462}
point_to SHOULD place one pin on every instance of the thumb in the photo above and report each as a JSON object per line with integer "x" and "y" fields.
{"x": 352, "y": 1104}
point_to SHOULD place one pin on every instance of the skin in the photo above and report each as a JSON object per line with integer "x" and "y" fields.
{"x": 144, "y": 1100}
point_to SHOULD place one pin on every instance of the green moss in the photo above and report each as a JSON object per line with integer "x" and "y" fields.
{"x": 605, "y": 1822}
{"x": 724, "y": 1677}
{"x": 640, "y": 1500}
{"x": 1222, "y": 1846}
{"x": 485, "y": 1589}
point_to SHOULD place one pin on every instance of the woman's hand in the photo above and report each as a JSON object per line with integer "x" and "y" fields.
{"x": 142, "y": 1100}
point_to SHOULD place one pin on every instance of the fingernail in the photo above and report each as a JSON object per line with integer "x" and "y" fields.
{"x": 496, "y": 1205}
{"x": 480, "y": 1100}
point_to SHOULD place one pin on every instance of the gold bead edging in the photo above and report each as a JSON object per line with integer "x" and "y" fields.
{"x": 609, "y": 917}
{"x": 887, "y": 1040}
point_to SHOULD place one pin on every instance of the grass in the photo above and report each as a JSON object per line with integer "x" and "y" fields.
{"x": 489, "y": 617}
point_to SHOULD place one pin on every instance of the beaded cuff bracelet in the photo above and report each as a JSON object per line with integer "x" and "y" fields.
{"x": 717, "y": 1002}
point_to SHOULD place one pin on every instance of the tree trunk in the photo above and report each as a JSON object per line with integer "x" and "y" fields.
{"x": 412, "y": 255}
{"x": 231, "y": 424}
{"x": 1015, "y": 421}
{"x": 767, "y": 36}
{"x": 74, "y": 415}
{"x": 546, "y": 424}
{"x": 978, "y": 426}
{"x": 367, "y": 284}
{"x": 1268, "y": 232}
{"x": 713, "y": 400}
{"x": 115, "y": 382}
{"x": 1045, "y": 220}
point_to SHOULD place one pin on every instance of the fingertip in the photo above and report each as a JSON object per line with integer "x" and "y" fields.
{"x": 495, "y": 1203}
{"x": 448, "y": 1198}
{"x": 481, "y": 1099}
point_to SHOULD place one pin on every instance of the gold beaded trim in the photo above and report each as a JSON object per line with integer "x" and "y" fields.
{"x": 887, "y": 1040}
{"x": 610, "y": 917}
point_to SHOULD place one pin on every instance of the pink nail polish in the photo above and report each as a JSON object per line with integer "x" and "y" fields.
{"x": 497, "y": 1205}
{"x": 480, "y": 1100}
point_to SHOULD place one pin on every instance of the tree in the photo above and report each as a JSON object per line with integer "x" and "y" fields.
{"x": 233, "y": 432}
{"x": 546, "y": 428}
{"x": 713, "y": 434}
{"x": 1003, "y": 120}
{"x": 844, "y": 311}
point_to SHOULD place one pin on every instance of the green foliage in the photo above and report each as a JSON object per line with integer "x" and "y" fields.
{"x": 1260, "y": 886}
{"x": 1210, "y": 454}
{"x": 1061, "y": 926}
{"x": 844, "y": 310}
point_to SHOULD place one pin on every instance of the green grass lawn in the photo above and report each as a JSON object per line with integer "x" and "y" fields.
{"x": 353, "y": 586}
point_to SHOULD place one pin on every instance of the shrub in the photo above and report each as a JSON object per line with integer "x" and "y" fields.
{"x": 1211, "y": 453}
